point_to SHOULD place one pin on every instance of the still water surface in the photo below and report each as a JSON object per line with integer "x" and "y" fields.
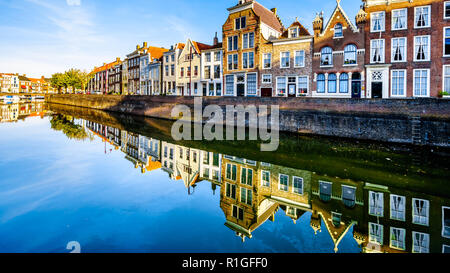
{"x": 120, "y": 184}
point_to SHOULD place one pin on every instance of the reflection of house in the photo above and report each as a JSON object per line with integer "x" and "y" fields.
{"x": 9, "y": 112}
{"x": 187, "y": 165}
{"x": 149, "y": 153}
{"x": 210, "y": 166}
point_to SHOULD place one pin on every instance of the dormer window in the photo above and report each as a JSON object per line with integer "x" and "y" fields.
{"x": 240, "y": 23}
{"x": 293, "y": 33}
{"x": 338, "y": 30}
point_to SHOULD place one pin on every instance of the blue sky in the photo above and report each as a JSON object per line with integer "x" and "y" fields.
{"x": 41, "y": 37}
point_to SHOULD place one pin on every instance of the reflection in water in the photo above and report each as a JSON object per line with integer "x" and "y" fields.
{"x": 380, "y": 216}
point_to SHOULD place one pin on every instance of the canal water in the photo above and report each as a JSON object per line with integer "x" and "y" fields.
{"x": 76, "y": 179}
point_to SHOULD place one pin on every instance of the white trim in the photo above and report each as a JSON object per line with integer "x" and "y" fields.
{"x": 235, "y": 191}
{"x": 383, "y": 52}
{"x": 392, "y": 21}
{"x": 403, "y": 239}
{"x": 262, "y": 79}
{"x": 302, "y": 182}
{"x": 281, "y": 59}
{"x": 443, "y": 76}
{"x": 390, "y": 207}
{"x": 279, "y": 182}
{"x": 429, "y": 17}
{"x": 414, "y": 238}
{"x": 246, "y": 176}
{"x": 262, "y": 55}
{"x": 296, "y": 41}
{"x": 443, "y": 225}
{"x": 381, "y": 233}
{"x": 443, "y": 40}
{"x": 444, "y": 246}
{"x": 428, "y": 82}
{"x": 276, "y": 86}
{"x": 404, "y": 83}
{"x": 307, "y": 85}
{"x": 304, "y": 57}
{"x": 384, "y": 22}
{"x": 445, "y": 3}
{"x": 429, "y": 48}
{"x": 405, "y": 55}
{"x": 262, "y": 180}
{"x": 428, "y": 211}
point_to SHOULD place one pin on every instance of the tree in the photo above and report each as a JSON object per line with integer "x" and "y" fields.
{"x": 57, "y": 81}
{"x": 68, "y": 127}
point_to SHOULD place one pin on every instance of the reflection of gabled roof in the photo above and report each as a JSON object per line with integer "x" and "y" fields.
{"x": 336, "y": 233}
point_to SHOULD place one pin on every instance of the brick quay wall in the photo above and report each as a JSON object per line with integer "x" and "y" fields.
{"x": 414, "y": 121}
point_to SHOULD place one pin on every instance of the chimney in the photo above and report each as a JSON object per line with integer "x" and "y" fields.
{"x": 274, "y": 11}
{"x": 145, "y": 44}
{"x": 171, "y": 47}
{"x": 216, "y": 40}
{"x": 118, "y": 59}
{"x": 138, "y": 47}
{"x": 24, "y": 75}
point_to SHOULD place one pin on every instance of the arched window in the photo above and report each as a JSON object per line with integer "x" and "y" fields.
{"x": 343, "y": 83}
{"x": 350, "y": 54}
{"x": 332, "y": 83}
{"x": 326, "y": 56}
{"x": 321, "y": 83}
{"x": 338, "y": 30}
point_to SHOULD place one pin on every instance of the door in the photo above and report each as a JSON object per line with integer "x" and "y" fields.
{"x": 266, "y": 92}
{"x": 377, "y": 90}
{"x": 204, "y": 90}
{"x": 291, "y": 90}
{"x": 356, "y": 85}
{"x": 240, "y": 89}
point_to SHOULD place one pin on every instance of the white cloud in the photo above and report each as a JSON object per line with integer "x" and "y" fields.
{"x": 73, "y": 2}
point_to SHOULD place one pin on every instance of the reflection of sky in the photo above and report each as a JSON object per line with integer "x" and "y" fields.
{"x": 54, "y": 190}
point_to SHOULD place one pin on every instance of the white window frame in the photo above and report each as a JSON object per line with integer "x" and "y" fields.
{"x": 302, "y": 183}
{"x": 383, "y": 28}
{"x": 428, "y": 82}
{"x": 443, "y": 78}
{"x": 444, "y": 246}
{"x": 404, "y": 83}
{"x": 376, "y": 240}
{"x": 285, "y": 86}
{"x": 402, "y": 240}
{"x": 404, "y": 207}
{"x": 262, "y": 79}
{"x": 405, "y": 53}
{"x": 281, "y": 59}
{"x": 307, "y": 84}
{"x": 263, "y": 60}
{"x": 279, "y": 182}
{"x": 420, "y": 247}
{"x": 406, "y": 19}
{"x": 429, "y": 49}
{"x": 445, "y": 4}
{"x": 429, "y": 16}
{"x": 428, "y": 211}
{"x": 383, "y": 52}
{"x": 246, "y": 176}
{"x": 382, "y": 203}
{"x": 443, "y": 40}
{"x": 443, "y": 224}
{"x": 237, "y": 216}
{"x": 295, "y": 56}
{"x": 246, "y": 196}
{"x": 262, "y": 180}
{"x": 235, "y": 191}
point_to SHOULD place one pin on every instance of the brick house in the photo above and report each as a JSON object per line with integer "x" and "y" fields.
{"x": 133, "y": 69}
{"x": 211, "y": 70}
{"x": 287, "y": 63}
{"x": 409, "y": 53}
{"x": 339, "y": 50}
{"x": 115, "y": 78}
{"x": 248, "y": 22}
{"x": 170, "y": 61}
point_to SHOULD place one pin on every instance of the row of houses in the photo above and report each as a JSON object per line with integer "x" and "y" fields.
{"x": 393, "y": 49}
{"x": 382, "y": 218}
{"x": 15, "y": 83}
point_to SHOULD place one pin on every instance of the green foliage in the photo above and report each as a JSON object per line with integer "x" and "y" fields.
{"x": 74, "y": 78}
{"x": 68, "y": 127}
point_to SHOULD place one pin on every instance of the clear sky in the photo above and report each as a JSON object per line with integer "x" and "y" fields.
{"x": 41, "y": 37}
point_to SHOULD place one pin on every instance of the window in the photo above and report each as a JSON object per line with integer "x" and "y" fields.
{"x": 285, "y": 58}
{"x": 326, "y": 56}
{"x": 398, "y": 238}
{"x": 207, "y": 72}
{"x": 421, "y": 79}
{"x": 246, "y": 196}
{"x": 299, "y": 58}
{"x": 293, "y": 32}
{"x": 376, "y": 203}
{"x": 240, "y": 23}
{"x": 446, "y": 78}
{"x": 230, "y": 190}
{"x": 422, "y": 48}
{"x": 216, "y": 71}
{"x": 172, "y": 70}
{"x": 350, "y": 54}
{"x": 247, "y": 176}
{"x": 267, "y": 78}
{"x": 399, "y": 19}
{"x": 398, "y": 49}
{"x": 232, "y": 61}
{"x": 420, "y": 211}
{"x": 349, "y": 196}
{"x": 377, "y": 21}
{"x": 233, "y": 43}
{"x": 217, "y": 56}
{"x": 251, "y": 83}
{"x": 321, "y": 83}
{"x": 332, "y": 83}
{"x": 281, "y": 86}
{"x": 302, "y": 84}
{"x": 445, "y": 249}
{"x": 398, "y": 83}
{"x": 446, "y": 222}
{"x": 208, "y": 57}
{"x": 229, "y": 79}
{"x": 447, "y": 41}
{"x": 247, "y": 60}
{"x": 422, "y": 17}
{"x": 231, "y": 172}
{"x": 375, "y": 233}
{"x": 338, "y": 30}
{"x": 421, "y": 242}
{"x": 265, "y": 178}
{"x": 397, "y": 207}
{"x": 377, "y": 51}
{"x": 267, "y": 60}
{"x": 248, "y": 40}
{"x": 238, "y": 212}
{"x": 325, "y": 189}
{"x": 343, "y": 83}
{"x": 283, "y": 182}
{"x": 297, "y": 185}
{"x": 447, "y": 10}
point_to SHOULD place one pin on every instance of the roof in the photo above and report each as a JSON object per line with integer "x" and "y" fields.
{"x": 339, "y": 8}
{"x": 267, "y": 16}
{"x": 156, "y": 52}
{"x": 23, "y": 78}
{"x": 200, "y": 46}
{"x": 302, "y": 30}
{"x": 105, "y": 67}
